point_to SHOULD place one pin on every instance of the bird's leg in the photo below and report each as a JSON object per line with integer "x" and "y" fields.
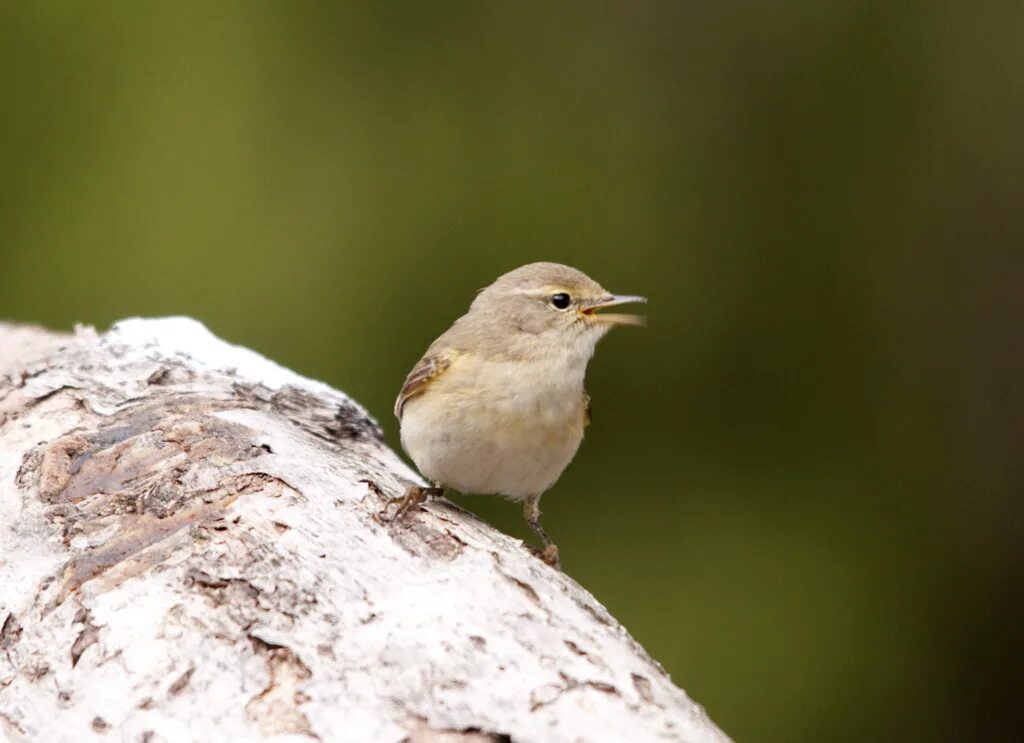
{"x": 531, "y": 511}
{"x": 414, "y": 496}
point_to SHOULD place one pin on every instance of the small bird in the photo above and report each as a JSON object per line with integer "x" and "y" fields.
{"x": 496, "y": 406}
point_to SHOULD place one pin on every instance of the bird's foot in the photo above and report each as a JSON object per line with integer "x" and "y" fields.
{"x": 531, "y": 512}
{"x": 414, "y": 496}
{"x": 548, "y": 554}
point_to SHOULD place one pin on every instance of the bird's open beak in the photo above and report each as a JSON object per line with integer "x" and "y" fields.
{"x": 614, "y": 300}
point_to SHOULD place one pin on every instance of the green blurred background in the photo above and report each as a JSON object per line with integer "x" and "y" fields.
{"x": 801, "y": 488}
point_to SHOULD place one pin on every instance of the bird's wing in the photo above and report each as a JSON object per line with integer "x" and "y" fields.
{"x": 430, "y": 368}
{"x": 587, "y": 409}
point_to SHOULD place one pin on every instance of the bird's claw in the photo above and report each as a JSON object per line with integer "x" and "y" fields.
{"x": 414, "y": 496}
{"x": 549, "y": 554}
{"x": 382, "y": 514}
{"x": 404, "y": 504}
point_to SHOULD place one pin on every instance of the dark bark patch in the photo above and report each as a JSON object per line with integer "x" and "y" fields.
{"x": 416, "y": 532}
{"x": 421, "y": 732}
{"x": 223, "y": 591}
{"x": 597, "y": 613}
{"x": 525, "y": 587}
{"x": 47, "y": 395}
{"x": 181, "y": 682}
{"x": 135, "y": 536}
{"x": 544, "y": 696}
{"x": 643, "y": 688}
{"x": 346, "y": 422}
{"x": 10, "y": 632}
{"x": 277, "y": 709}
{"x": 170, "y": 375}
{"x": 36, "y": 671}
{"x": 28, "y": 472}
{"x": 583, "y": 653}
{"x": 58, "y": 465}
{"x": 86, "y": 638}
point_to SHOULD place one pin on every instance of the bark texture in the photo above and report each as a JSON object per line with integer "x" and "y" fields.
{"x": 188, "y": 552}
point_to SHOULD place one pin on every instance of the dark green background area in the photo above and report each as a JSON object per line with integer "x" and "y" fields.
{"x": 801, "y": 490}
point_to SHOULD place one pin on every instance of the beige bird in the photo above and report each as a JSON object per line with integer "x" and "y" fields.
{"x": 496, "y": 406}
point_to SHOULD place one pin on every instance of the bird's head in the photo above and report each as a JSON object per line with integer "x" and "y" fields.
{"x": 551, "y": 305}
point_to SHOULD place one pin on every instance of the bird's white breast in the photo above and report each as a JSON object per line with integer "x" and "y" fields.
{"x": 498, "y": 427}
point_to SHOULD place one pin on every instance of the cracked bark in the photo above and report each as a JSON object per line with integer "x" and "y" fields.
{"x": 187, "y": 552}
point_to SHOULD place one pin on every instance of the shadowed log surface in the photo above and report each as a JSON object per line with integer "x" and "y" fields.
{"x": 188, "y": 552}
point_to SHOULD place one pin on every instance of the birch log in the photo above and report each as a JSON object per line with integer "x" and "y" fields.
{"x": 188, "y": 552}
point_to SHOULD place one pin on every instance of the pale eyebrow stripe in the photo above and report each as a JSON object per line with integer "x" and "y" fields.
{"x": 542, "y": 292}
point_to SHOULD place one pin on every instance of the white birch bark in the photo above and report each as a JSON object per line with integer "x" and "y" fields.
{"x": 187, "y": 552}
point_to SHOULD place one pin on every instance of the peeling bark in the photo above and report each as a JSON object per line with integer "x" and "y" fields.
{"x": 189, "y": 551}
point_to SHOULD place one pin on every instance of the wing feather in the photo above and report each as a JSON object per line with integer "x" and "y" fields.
{"x": 422, "y": 375}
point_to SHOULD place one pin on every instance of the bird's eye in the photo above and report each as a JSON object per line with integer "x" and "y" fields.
{"x": 560, "y": 301}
